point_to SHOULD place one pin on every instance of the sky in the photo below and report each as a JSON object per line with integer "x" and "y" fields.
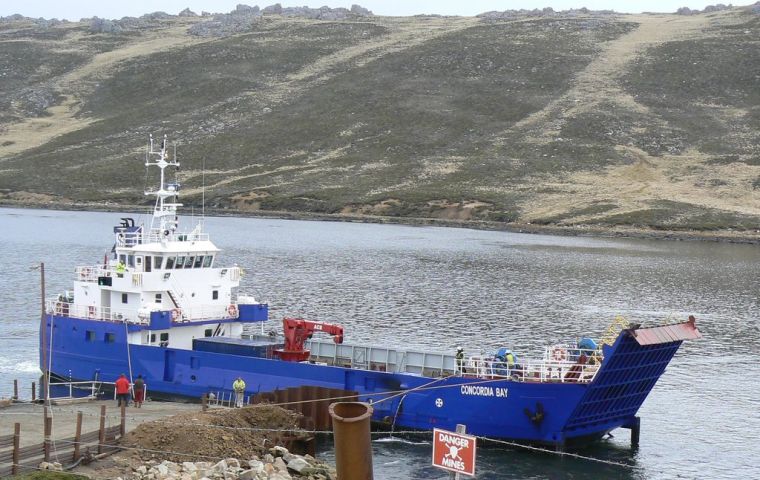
{"x": 76, "y": 9}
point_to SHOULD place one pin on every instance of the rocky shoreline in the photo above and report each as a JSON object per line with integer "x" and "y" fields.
{"x": 278, "y": 464}
{"x": 602, "y": 231}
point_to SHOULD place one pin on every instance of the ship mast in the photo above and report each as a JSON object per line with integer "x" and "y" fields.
{"x": 165, "y": 218}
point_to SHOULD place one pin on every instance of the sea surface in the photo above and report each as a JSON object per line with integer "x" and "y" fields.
{"x": 436, "y": 288}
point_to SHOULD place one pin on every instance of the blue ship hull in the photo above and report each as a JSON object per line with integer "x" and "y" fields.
{"x": 495, "y": 408}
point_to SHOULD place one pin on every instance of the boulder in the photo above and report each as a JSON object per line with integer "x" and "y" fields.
{"x": 256, "y": 465}
{"x": 298, "y": 464}
{"x": 220, "y": 466}
{"x": 232, "y": 463}
{"x": 278, "y": 451}
{"x": 280, "y": 465}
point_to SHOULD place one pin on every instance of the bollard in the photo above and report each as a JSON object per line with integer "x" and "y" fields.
{"x": 353, "y": 443}
{"x": 34, "y": 392}
{"x": 204, "y": 402}
{"x": 15, "y": 390}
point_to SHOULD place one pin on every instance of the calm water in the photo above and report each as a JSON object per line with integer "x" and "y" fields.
{"x": 437, "y": 288}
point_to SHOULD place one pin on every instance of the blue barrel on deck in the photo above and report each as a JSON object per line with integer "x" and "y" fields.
{"x": 257, "y": 312}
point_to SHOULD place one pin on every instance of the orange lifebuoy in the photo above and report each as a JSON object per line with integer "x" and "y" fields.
{"x": 559, "y": 354}
{"x": 176, "y": 314}
{"x": 232, "y": 310}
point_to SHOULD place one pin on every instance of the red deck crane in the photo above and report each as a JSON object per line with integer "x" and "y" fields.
{"x": 297, "y": 331}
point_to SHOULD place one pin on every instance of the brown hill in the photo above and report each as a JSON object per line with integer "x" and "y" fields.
{"x": 574, "y": 118}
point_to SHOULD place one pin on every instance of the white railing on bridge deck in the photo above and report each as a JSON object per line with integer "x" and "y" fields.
{"x": 562, "y": 371}
{"x": 137, "y": 238}
{"x": 90, "y": 273}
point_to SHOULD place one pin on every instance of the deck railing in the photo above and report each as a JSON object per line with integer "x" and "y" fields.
{"x": 570, "y": 365}
{"x": 114, "y": 314}
{"x": 531, "y": 370}
{"x": 128, "y": 239}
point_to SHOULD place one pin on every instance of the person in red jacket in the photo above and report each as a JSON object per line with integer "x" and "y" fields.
{"x": 122, "y": 390}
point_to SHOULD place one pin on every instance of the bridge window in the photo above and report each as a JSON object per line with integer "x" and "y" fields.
{"x": 110, "y": 337}
{"x": 89, "y": 336}
{"x": 152, "y": 338}
{"x": 215, "y": 295}
{"x": 157, "y": 262}
{"x": 169, "y": 263}
{"x": 198, "y": 261}
{"x": 131, "y": 261}
{"x": 209, "y": 332}
{"x": 180, "y": 262}
{"x": 189, "y": 262}
{"x": 158, "y": 298}
{"x": 164, "y": 340}
{"x": 207, "y": 261}
{"x": 124, "y": 298}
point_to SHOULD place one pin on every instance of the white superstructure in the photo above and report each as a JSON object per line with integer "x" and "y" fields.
{"x": 159, "y": 268}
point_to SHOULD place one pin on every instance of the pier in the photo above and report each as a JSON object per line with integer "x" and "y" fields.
{"x": 31, "y": 433}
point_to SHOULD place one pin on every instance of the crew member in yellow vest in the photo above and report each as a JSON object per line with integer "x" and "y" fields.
{"x": 239, "y": 386}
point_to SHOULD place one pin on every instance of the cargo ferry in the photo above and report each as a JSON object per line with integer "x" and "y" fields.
{"x": 162, "y": 305}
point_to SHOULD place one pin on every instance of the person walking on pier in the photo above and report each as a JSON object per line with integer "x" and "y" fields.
{"x": 239, "y": 386}
{"x": 139, "y": 391}
{"x": 122, "y": 390}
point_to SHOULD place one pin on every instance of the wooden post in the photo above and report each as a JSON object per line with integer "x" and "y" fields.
{"x": 204, "y": 402}
{"x": 78, "y": 436}
{"x": 48, "y": 431}
{"x": 123, "y": 425}
{"x": 15, "y": 389}
{"x": 102, "y": 432}
{"x": 16, "y": 445}
{"x": 34, "y": 392}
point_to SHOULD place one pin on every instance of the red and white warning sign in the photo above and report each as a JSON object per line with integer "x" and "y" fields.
{"x": 454, "y": 452}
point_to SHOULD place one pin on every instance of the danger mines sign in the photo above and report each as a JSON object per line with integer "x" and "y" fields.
{"x": 454, "y": 452}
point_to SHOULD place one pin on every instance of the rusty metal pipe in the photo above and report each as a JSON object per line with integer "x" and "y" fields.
{"x": 353, "y": 443}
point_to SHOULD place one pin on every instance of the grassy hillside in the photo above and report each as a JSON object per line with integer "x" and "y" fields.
{"x": 578, "y": 118}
